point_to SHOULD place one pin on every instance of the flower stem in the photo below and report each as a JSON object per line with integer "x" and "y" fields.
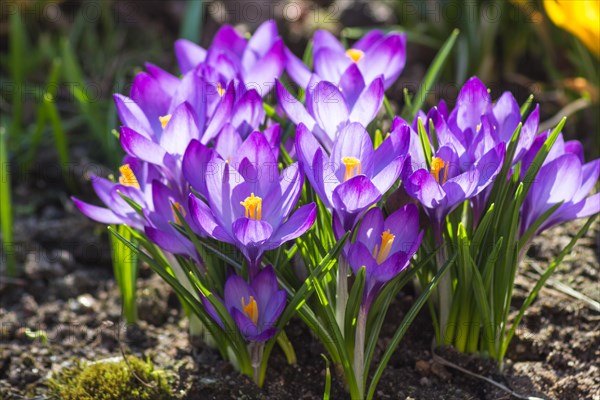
{"x": 342, "y": 292}
{"x": 444, "y": 289}
{"x": 256, "y": 352}
{"x": 359, "y": 349}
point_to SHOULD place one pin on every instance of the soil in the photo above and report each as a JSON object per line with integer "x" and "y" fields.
{"x": 67, "y": 293}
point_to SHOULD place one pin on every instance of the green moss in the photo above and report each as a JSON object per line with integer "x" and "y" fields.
{"x": 111, "y": 380}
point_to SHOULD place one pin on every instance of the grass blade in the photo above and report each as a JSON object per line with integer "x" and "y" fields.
{"x": 191, "y": 28}
{"x": 6, "y": 208}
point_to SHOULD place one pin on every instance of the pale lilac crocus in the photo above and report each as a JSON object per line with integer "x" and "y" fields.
{"x": 354, "y": 176}
{"x": 376, "y": 54}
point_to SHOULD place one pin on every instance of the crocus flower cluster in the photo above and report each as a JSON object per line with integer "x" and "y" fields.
{"x": 205, "y": 170}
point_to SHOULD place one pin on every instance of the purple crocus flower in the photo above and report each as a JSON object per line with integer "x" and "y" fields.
{"x": 134, "y": 182}
{"x": 565, "y": 178}
{"x": 196, "y": 160}
{"x": 249, "y": 206}
{"x": 354, "y": 176}
{"x": 374, "y": 55}
{"x": 255, "y": 307}
{"x": 257, "y": 62}
{"x": 384, "y": 248}
{"x": 443, "y": 187}
{"x": 329, "y": 108}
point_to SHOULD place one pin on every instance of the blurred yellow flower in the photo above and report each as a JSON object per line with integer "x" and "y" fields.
{"x": 580, "y": 17}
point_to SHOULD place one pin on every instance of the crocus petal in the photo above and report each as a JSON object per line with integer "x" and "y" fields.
{"x": 192, "y": 89}
{"x": 230, "y": 39}
{"x": 195, "y": 165}
{"x": 386, "y": 58}
{"x": 330, "y": 109}
{"x": 368, "y": 103}
{"x": 221, "y": 115}
{"x": 391, "y": 267}
{"x": 264, "y": 285}
{"x": 171, "y": 241}
{"x": 181, "y": 129}
{"x": 141, "y": 147}
{"x": 251, "y": 232}
{"x": 359, "y": 256}
{"x": 352, "y": 84}
{"x": 528, "y": 132}
{"x": 293, "y": 108}
{"x": 296, "y": 69}
{"x": 298, "y": 223}
{"x": 331, "y": 64}
{"x": 371, "y": 227}
{"x": 473, "y": 101}
{"x": 268, "y": 68}
{"x": 221, "y": 180}
{"x": 422, "y": 186}
{"x": 259, "y": 44}
{"x": 589, "y": 177}
{"x": 188, "y": 55}
{"x": 149, "y": 95}
{"x": 167, "y": 82}
{"x": 98, "y": 214}
{"x": 235, "y": 290}
{"x": 132, "y": 116}
{"x": 369, "y": 40}
{"x": 404, "y": 224}
{"x": 228, "y": 142}
{"x": 355, "y": 195}
{"x": 386, "y": 177}
{"x": 248, "y": 112}
{"x": 285, "y": 194}
{"x": 352, "y": 141}
{"x": 324, "y": 39}
{"x": 507, "y": 114}
{"x": 257, "y": 164}
{"x": 204, "y": 218}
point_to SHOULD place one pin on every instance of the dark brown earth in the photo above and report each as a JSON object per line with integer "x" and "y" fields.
{"x": 68, "y": 292}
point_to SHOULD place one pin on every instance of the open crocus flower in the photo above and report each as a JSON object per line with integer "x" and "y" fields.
{"x": 329, "y": 108}
{"x": 197, "y": 157}
{"x": 354, "y": 176}
{"x": 563, "y": 178}
{"x": 249, "y": 207}
{"x": 384, "y": 248}
{"x": 257, "y": 62}
{"x": 255, "y": 307}
{"x": 134, "y": 182}
{"x": 375, "y": 54}
{"x": 443, "y": 187}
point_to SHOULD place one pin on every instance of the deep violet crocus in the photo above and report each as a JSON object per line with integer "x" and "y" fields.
{"x": 329, "y": 108}
{"x": 254, "y": 307}
{"x": 249, "y": 206}
{"x": 256, "y": 62}
{"x": 374, "y": 55}
{"x": 384, "y": 247}
{"x": 353, "y": 176}
{"x": 565, "y": 178}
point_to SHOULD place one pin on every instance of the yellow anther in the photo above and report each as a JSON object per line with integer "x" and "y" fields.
{"x": 220, "y": 89}
{"x": 127, "y": 177}
{"x": 164, "y": 120}
{"x": 437, "y": 164}
{"x": 478, "y": 127}
{"x": 250, "y": 309}
{"x": 355, "y": 54}
{"x": 253, "y": 206}
{"x": 352, "y": 167}
{"x": 181, "y": 210}
{"x": 381, "y": 252}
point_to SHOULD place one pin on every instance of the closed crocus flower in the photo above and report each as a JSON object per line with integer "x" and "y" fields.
{"x": 375, "y": 54}
{"x": 254, "y": 307}
{"x": 330, "y": 108}
{"x": 353, "y": 176}
{"x": 564, "y": 178}
{"x": 581, "y": 18}
{"x": 135, "y": 182}
{"x": 384, "y": 247}
{"x": 250, "y": 207}
{"x": 258, "y": 61}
